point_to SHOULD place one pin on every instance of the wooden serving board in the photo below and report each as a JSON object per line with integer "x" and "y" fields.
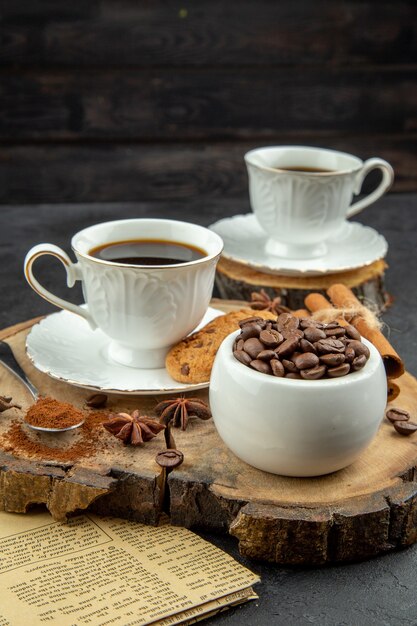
{"x": 363, "y": 510}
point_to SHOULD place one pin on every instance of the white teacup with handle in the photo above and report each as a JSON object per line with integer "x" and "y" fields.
{"x": 302, "y": 195}
{"x": 144, "y": 305}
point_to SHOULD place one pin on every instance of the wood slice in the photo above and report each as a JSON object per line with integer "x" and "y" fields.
{"x": 363, "y": 510}
{"x": 236, "y": 280}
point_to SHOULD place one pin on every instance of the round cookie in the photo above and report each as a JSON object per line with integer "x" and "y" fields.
{"x": 191, "y": 360}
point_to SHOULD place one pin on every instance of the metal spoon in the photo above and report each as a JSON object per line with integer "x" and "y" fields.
{"x": 8, "y": 360}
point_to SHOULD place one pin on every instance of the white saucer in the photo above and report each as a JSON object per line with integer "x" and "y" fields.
{"x": 64, "y": 346}
{"x": 353, "y": 246}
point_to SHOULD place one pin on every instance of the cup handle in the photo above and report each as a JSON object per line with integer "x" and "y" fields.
{"x": 73, "y": 274}
{"x": 384, "y": 185}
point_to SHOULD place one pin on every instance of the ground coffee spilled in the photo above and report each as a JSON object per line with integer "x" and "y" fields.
{"x": 84, "y": 442}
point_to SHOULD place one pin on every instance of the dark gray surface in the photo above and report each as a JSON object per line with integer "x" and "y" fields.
{"x": 379, "y": 592}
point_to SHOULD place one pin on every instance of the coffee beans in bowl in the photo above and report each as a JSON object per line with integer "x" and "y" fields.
{"x": 298, "y": 348}
{"x": 295, "y": 398}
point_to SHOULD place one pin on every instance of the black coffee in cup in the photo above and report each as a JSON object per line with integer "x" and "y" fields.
{"x": 147, "y": 252}
{"x": 308, "y": 170}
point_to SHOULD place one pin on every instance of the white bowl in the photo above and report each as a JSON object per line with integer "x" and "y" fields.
{"x": 296, "y": 427}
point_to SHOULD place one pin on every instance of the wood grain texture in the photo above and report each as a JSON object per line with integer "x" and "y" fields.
{"x": 363, "y": 510}
{"x": 164, "y": 171}
{"x": 235, "y": 280}
{"x": 209, "y": 104}
{"x": 105, "y": 101}
{"x": 102, "y": 33}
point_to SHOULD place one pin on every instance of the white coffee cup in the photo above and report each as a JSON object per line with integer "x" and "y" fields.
{"x": 300, "y": 209}
{"x": 143, "y": 309}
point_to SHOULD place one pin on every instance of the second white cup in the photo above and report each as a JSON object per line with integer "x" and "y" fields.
{"x": 302, "y": 195}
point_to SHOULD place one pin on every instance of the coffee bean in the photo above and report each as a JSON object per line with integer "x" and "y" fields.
{"x": 242, "y": 356}
{"x": 405, "y": 428}
{"x": 335, "y": 332}
{"x": 271, "y": 338}
{"x": 287, "y": 333}
{"x": 277, "y": 368}
{"x": 261, "y": 366}
{"x": 282, "y": 319}
{"x": 267, "y": 355}
{"x": 397, "y": 415}
{"x": 307, "y": 346}
{"x": 299, "y": 348}
{"x": 307, "y": 360}
{"x": 290, "y": 366}
{"x": 352, "y": 332}
{"x": 309, "y": 321}
{"x": 97, "y": 400}
{"x": 314, "y": 373}
{"x": 252, "y": 320}
{"x": 359, "y": 362}
{"x": 326, "y": 346}
{"x": 332, "y": 360}
{"x": 239, "y": 344}
{"x": 314, "y": 334}
{"x": 250, "y": 330}
{"x": 253, "y": 347}
{"x": 359, "y": 348}
{"x": 340, "y": 370}
{"x": 288, "y": 346}
{"x": 349, "y": 354}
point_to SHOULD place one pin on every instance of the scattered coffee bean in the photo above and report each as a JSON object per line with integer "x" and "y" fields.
{"x": 97, "y": 400}
{"x": 405, "y": 428}
{"x": 397, "y": 415}
{"x": 299, "y": 348}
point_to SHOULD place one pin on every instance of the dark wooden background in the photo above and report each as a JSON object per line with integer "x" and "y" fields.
{"x": 131, "y": 100}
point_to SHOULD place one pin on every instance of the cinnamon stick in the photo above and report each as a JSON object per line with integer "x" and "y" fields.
{"x": 316, "y": 302}
{"x": 393, "y": 390}
{"x": 342, "y": 297}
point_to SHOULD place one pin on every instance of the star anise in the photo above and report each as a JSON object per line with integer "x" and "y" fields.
{"x": 260, "y": 301}
{"x": 6, "y": 402}
{"x": 133, "y": 429}
{"x": 180, "y": 410}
